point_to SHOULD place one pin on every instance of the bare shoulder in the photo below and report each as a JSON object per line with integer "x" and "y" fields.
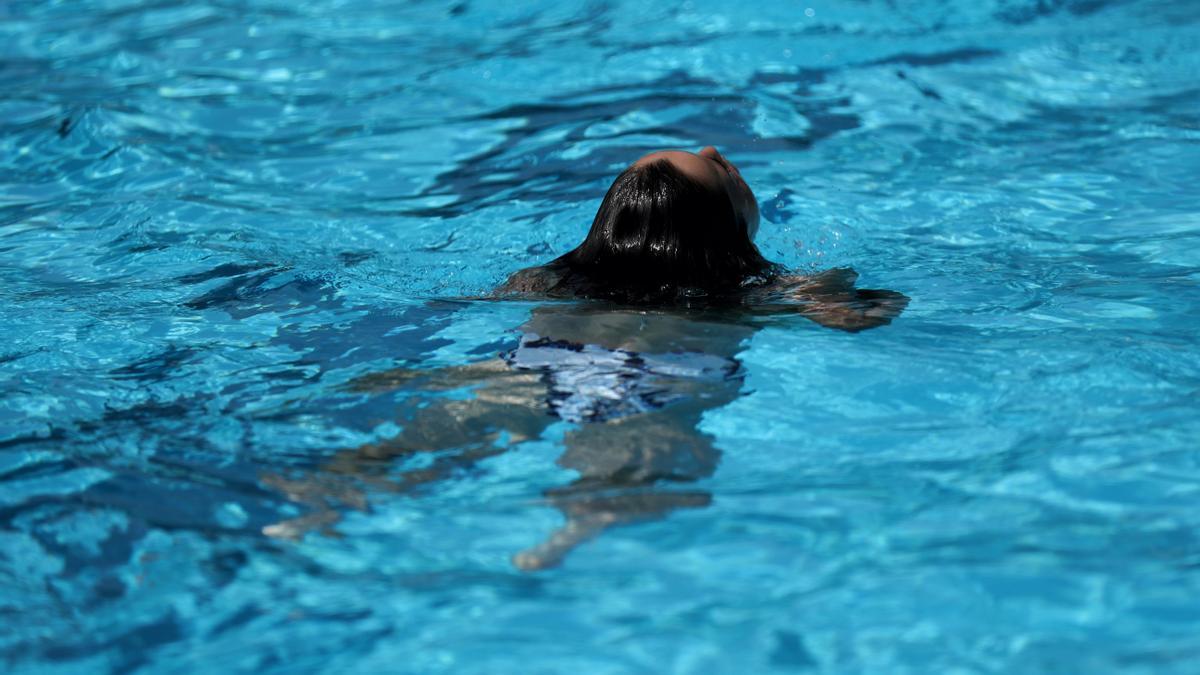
{"x": 788, "y": 289}
{"x": 827, "y": 282}
{"x": 831, "y": 299}
{"x": 531, "y": 281}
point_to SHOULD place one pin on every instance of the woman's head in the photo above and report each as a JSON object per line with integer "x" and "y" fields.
{"x": 710, "y": 169}
{"x": 672, "y": 222}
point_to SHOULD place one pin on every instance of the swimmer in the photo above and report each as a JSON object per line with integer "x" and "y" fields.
{"x": 674, "y": 289}
{"x": 678, "y": 228}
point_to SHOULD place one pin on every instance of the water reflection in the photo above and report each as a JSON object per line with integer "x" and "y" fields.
{"x": 633, "y": 383}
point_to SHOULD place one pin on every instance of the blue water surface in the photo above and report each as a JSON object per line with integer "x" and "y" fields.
{"x": 219, "y": 219}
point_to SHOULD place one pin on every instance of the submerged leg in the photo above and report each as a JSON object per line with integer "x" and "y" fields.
{"x": 624, "y": 465}
{"x": 455, "y": 434}
{"x": 588, "y": 517}
{"x": 551, "y": 552}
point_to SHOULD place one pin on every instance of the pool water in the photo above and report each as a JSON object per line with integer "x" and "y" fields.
{"x": 235, "y": 239}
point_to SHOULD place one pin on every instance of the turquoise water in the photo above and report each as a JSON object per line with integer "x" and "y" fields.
{"x": 232, "y": 233}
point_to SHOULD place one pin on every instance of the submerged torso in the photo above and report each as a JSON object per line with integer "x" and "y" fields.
{"x": 605, "y": 364}
{"x": 589, "y": 383}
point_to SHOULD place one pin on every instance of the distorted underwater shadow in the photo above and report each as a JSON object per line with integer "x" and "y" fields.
{"x": 633, "y": 384}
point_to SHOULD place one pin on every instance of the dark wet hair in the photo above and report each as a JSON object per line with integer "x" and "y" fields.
{"x": 660, "y": 235}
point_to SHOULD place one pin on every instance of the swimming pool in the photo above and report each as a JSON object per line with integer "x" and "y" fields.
{"x": 217, "y": 217}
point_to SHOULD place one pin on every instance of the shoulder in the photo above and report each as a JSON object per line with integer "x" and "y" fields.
{"x": 829, "y": 282}
{"x": 790, "y": 288}
{"x": 830, "y": 299}
{"x": 537, "y": 280}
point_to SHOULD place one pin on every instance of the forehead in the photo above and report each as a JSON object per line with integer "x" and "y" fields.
{"x": 692, "y": 165}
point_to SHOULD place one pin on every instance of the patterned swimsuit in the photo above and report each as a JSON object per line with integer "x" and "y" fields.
{"x": 593, "y": 384}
